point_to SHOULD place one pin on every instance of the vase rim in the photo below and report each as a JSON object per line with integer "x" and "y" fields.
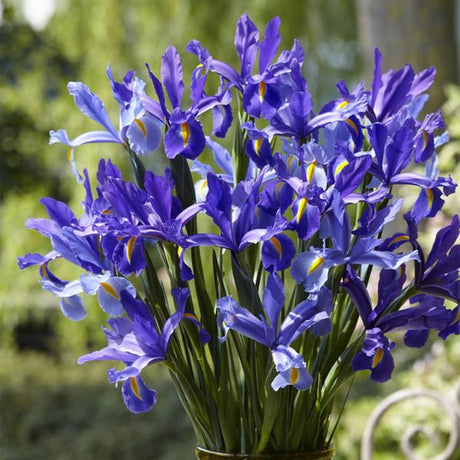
{"x": 318, "y": 454}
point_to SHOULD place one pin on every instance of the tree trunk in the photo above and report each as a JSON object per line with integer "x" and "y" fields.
{"x": 419, "y": 32}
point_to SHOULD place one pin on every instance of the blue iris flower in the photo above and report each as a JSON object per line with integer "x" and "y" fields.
{"x": 139, "y": 127}
{"x": 135, "y": 341}
{"x": 417, "y": 320}
{"x": 311, "y": 314}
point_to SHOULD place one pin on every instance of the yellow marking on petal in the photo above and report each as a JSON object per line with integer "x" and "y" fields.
{"x": 289, "y": 161}
{"x": 340, "y": 167}
{"x": 301, "y": 209}
{"x": 106, "y": 211}
{"x": 203, "y": 186}
{"x": 191, "y": 315}
{"x": 457, "y": 318}
{"x": 294, "y": 377}
{"x": 257, "y": 145}
{"x": 316, "y": 263}
{"x": 399, "y": 238}
{"x": 310, "y": 170}
{"x": 141, "y": 126}
{"x": 185, "y": 132}
{"x": 44, "y": 272}
{"x": 352, "y": 124}
{"x": 199, "y": 66}
{"x": 135, "y": 387}
{"x": 69, "y": 154}
{"x": 278, "y": 188}
{"x": 343, "y": 104}
{"x": 430, "y": 196}
{"x": 425, "y": 139}
{"x": 130, "y": 248}
{"x": 400, "y": 271}
{"x": 276, "y": 242}
{"x": 108, "y": 288}
{"x": 262, "y": 90}
{"x": 180, "y": 249}
{"x": 377, "y": 357}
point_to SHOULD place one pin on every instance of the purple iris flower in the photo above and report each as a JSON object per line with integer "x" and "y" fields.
{"x": 69, "y": 242}
{"x": 311, "y": 268}
{"x": 311, "y": 314}
{"x": 436, "y": 274}
{"x": 375, "y": 356}
{"x": 264, "y": 93}
{"x": 184, "y": 135}
{"x": 258, "y": 146}
{"x": 108, "y": 289}
{"x": 135, "y": 341}
{"x": 392, "y": 90}
{"x": 297, "y": 119}
{"x": 424, "y": 141}
{"x": 417, "y": 320}
{"x": 67, "y": 291}
{"x": 430, "y": 201}
{"x": 136, "y": 216}
{"x": 270, "y": 89}
{"x": 241, "y": 221}
{"x": 137, "y": 126}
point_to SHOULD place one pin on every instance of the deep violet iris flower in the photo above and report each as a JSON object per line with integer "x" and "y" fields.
{"x": 417, "y": 320}
{"x": 184, "y": 135}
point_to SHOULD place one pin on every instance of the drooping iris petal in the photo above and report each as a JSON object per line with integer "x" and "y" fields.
{"x": 277, "y": 253}
{"x": 416, "y": 339}
{"x": 311, "y": 268}
{"x": 222, "y": 117}
{"x": 185, "y": 138}
{"x": 108, "y": 289}
{"x": 73, "y": 308}
{"x": 291, "y": 368}
{"x": 258, "y": 147}
{"x": 144, "y": 134}
{"x": 375, "y": 356}
{"x": 307, "y": 218}
{"x": 138, "y": 397}
{"x": 262, "y": 98}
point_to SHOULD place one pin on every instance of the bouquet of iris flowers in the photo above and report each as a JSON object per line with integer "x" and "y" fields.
{"x": 269, "y": 239}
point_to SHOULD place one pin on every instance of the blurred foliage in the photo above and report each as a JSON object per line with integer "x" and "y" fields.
{"x": 47, "y": 402}
{"x": 449, "y": 156}
{"x": 61, "y": 411}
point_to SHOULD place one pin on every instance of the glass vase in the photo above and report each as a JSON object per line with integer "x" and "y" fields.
{"x": 324, "y": 454}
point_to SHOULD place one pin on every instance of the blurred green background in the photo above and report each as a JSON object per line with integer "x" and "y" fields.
{"x": 50, "y": 407}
